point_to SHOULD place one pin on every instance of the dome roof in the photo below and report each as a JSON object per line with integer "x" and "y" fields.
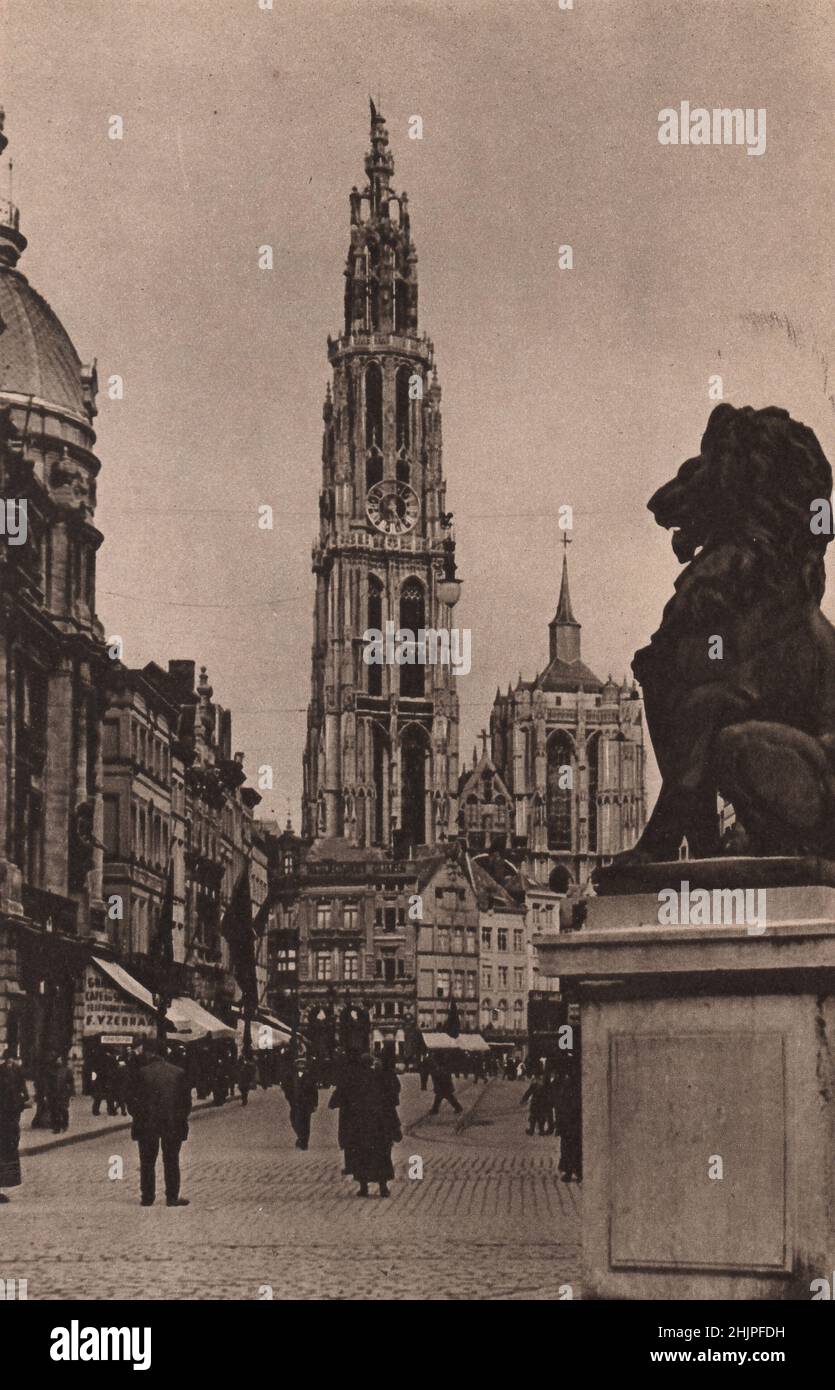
{"x": 36, "y": 355}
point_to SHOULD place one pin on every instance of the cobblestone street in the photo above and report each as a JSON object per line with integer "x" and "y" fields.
{"x": 489, "y": 1219}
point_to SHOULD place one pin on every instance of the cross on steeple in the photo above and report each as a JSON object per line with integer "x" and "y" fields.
{"x": 483, "y": 736}
{"x": 564, "y": 628}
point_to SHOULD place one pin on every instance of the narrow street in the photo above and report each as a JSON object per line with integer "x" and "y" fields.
{"x": 489, "y": 1218}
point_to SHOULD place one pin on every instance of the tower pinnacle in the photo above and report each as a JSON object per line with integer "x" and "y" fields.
{"x": 564, "y": 630}
{"x": 381, "y": 270}
{"x": 12, "y": 242}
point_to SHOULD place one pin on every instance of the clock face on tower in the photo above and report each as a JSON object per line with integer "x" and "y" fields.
{"x": 392, "y": 507}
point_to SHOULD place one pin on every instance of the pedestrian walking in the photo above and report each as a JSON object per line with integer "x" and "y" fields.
{"x": 159, "y": 1103}
{"x": 443, "y": 1087}
{"x": 371, "y": 1127}
{"x": 303, "y": 1095}
{"x": 220, "y": 1078}
{"x": 120, "y": 1088}
{"x": 14, "y": 1098}
{"x": 570, "y": 1127}
{"x": 539, "y": 1108}
{"x": 246, "y": 1077}
{"x": 98, "y": 1080}
{"x": 59, "y": 1087}
{"x": 348, "y": 1069}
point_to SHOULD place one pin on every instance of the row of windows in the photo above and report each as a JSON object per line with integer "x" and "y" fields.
{"x": 387, "y": 919}
{"x": 149, "y": 831}
{"x": 463, "y": 983}
{"x": 502, "y": 977}
{"x": 345, "y": 965}
{"x": 502, "y": 937}
{"x": 461, "y": 941}
{"x": 501, "y": 1017}
{"x": 150, "y": 751}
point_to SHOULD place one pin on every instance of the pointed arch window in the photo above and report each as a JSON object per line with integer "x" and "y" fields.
{"x": 559, "y": 797}
{"x": 593, "y": 761}
{"x": 412, "y": 617}
{"x": 373, "y": 406}
{"x": 413, "y": 785}
{"x": 403, "y": 408}
{"x": 375, "y": 621}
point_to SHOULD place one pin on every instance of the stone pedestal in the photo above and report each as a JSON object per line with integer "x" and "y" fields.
{"x": 708, "y": 1098}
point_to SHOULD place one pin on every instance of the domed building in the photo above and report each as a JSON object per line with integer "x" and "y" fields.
{"x": 53, "y": 669}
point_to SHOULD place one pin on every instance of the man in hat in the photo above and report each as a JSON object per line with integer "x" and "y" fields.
{"x": 159, "y": 1102}
{"x": 303, "y": 1095}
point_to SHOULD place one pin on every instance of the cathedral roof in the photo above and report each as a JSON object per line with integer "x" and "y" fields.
{"x": 568, "y": 676}
{"x": 491, "y": 893}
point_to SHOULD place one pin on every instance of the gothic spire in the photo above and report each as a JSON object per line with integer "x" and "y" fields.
{"x": 564, "y": 630}
{"x": 381, "y": 272}
{"x": 564, "y": 613}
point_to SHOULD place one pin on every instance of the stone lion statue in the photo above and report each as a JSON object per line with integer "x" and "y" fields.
{"x": 739, "y": 679}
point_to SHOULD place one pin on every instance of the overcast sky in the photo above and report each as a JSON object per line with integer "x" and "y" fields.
{"x": 588, "y": 387}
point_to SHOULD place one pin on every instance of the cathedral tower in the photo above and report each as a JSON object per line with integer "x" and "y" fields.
{"x": 381, "y": 761}
{"x": 568, "y": 755}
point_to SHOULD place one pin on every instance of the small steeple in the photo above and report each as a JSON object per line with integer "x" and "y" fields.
{"x": 564, "y": 630}
{"x": 379, "y": 162}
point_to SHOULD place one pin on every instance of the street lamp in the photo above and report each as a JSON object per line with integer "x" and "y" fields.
{"x": 448, "y": 587}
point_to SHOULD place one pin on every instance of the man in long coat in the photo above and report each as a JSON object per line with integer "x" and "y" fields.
{"x": 370, "y": 1126}
{"x": 13, "y": 1098}
{"x": 159, "y": 1102}
{"x": 303, "y": 1096}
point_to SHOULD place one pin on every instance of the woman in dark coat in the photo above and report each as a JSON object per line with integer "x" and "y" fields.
{"x": 370, "y": 1127}
{"x": 13, "y": 1098}
{"x": 347, "y": 1070}
{"x": 59, "y": 1087}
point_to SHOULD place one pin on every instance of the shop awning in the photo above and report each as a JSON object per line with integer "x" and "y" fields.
{"x": 126, "y": 983}
{"x": 188, "y": 1019}
{"x": 192, "y": 1022}
{"x": 115, "y": 1003}
{"x": 465, "y": 1042}
{"x": 265, "y": 1030}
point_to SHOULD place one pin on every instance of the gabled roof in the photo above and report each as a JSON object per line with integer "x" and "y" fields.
{"x": 471, "y": 781}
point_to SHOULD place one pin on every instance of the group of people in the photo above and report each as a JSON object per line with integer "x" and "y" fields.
{"x": 553, "y": 1099}
{"x": 156, "y": 1091}
{"x": 366, "y": 1094}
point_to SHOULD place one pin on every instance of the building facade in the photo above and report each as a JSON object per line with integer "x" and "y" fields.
{"x": 175, "y": 805}
{"x": 381, "y": 760}
{"x": 448, "y": 950}
{"x": 355, "y": 918}
{"x": 54, "y": 670}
